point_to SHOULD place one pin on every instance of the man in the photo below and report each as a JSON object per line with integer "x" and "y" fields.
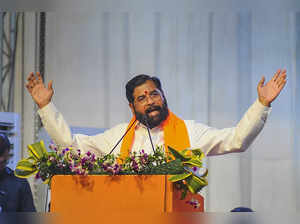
{"x": 15, "y": 193}
{"x": 149, "y": 107}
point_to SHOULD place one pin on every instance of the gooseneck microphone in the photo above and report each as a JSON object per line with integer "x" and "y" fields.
{"x": 148, "y": 129}
{"x": 122, "y": 137}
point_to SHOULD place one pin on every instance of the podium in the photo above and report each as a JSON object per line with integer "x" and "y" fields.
{"x": 139, "y": 193}
{"x": 102, "y": 194}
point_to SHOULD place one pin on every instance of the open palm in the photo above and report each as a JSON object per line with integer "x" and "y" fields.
{"x": 40, "y": 93}
{"x": 267, "y": 93}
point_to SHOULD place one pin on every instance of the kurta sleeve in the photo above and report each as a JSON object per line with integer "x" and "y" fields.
{"x": 60, "y": 133}
{"x": 236, "y": 139}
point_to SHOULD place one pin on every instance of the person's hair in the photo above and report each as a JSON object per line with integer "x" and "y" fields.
{"x": 241, "y": 209}
{"x": 4, "y": 143}
{"x": 139, "y": 80}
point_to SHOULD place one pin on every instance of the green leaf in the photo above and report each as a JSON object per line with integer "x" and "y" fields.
{"x": 38, "y": 150}
{"x": 193, "y": 162}
{"x": 177, "y": 154}
{"x": 198, "y": 152}
{"x": 179, "y": 177}
{"x": 24, "y": 173}
{"x": 195, "y": 184}
{"x": 25, "y": 164}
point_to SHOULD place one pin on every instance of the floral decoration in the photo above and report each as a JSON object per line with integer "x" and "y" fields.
{"x": 182, "y": 166}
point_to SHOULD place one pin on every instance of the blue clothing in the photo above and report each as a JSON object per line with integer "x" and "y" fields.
{"x": 15, "y": 193}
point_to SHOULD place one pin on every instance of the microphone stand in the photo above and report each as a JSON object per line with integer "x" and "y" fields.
{"x": 148, "y": 129}
{"x": 122, "y": 137}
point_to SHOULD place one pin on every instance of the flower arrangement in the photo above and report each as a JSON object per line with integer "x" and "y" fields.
{"x": 181, "y": 165}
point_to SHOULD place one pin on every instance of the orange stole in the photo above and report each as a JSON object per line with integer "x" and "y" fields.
{"x": 175, "y": 135}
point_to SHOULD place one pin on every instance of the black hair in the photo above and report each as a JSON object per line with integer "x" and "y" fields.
{"x": 139, "y": 80}
{"x": 4, "y": 143}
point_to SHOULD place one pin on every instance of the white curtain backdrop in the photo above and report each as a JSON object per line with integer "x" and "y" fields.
{"x": 209, "y": 63}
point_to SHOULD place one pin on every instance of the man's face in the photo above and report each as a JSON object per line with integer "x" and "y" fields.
{"x": 149, "y": 105}
{"x": 4, "y": 159}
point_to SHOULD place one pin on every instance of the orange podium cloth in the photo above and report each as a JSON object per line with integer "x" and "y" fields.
{"x": 103, "y": 194}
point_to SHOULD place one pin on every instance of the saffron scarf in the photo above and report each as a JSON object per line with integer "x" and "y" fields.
{"x": 175, "y": 135}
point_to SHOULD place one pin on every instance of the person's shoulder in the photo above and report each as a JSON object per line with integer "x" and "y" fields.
{"x": 10, "y": 173}
{"x": 118, "y": 127}
{"x": 116, "y": 130}
{"x": 193, "y": 125}
{"x": 121, "y": 125}
{"x": 189, "y": 122}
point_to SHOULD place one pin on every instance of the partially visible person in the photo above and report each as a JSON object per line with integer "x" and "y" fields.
{"x": 242, "y": 209}
{"x": 15, "y": 193}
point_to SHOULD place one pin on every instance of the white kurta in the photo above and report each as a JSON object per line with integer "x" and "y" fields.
{"x": 212, "y": 141}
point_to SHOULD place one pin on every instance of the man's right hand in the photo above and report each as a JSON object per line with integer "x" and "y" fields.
{"x": 40, "y": 94}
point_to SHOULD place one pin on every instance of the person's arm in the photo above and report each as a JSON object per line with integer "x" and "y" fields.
{"x": 57, "y": 127}
{"x": 60, "y": 133}
{"x": 215, "y": 141}
{"x": 237, "y": 139}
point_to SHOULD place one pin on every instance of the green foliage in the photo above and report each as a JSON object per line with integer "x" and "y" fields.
{"x": 187, "y": 180}
{"x": 70, "y": 161}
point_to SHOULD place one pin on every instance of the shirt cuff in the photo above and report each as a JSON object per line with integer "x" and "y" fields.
{"x": 48, "y": 109}
{"x": 261, "y": 110}
{"x": 262, "y": 107}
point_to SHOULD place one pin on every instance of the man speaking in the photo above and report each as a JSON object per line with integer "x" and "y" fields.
{"x": 150, "y": 112}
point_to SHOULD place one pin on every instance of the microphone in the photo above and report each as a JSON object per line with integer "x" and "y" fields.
{"x": 122, "y": 137}
{"x": 148, "y": 129}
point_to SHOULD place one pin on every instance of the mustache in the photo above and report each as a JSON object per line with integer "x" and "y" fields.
{"x": 153, "y": 108}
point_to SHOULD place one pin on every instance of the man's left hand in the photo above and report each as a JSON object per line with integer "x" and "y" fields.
{"x": 268, "y": 93}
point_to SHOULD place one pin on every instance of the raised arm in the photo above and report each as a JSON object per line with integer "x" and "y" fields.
{"x": 237, "y": 139}
{"x": 52, "y": 120}
{"x": 57, "y": 127}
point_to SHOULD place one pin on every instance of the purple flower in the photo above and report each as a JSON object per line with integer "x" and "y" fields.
{"x": 104, "y": 167}
{"x": 90, "y": 166}
{"x": 116, "y": 167}
{"x": 53, "y": 147}
{"x": 195, "y": 168}
{"x": 194, "y": 202}
{"x": 83, "y": 160}
{"x": 88, "y": 153}
{"x": 37, "y": 176}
